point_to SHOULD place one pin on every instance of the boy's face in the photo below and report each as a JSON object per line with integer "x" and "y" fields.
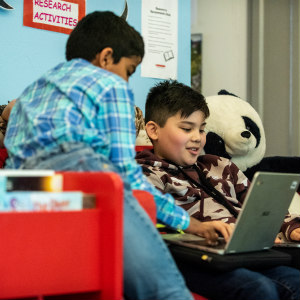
{"x": 125, "y": 67}
{"x": 181, "y": 139}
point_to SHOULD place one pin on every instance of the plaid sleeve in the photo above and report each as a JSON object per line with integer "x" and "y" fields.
{"x": 119, "y": 118}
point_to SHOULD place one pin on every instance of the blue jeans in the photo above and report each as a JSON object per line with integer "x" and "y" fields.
{"x": 149, "y": 270}
{"x": 280, "y": 282}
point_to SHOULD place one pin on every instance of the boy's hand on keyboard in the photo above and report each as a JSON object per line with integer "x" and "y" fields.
{"x": 295, "y": 235}
{"x": 210, "y": 230}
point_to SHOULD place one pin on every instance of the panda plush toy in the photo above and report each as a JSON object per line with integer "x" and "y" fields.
{"x": 235, "y": 131}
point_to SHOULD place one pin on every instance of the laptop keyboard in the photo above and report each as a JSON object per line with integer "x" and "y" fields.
{"x": 220, "y": 245}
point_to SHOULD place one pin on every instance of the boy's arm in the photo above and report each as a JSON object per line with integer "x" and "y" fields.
{"x": 291, "y": 227}
{"x": 119, "y": 119}
{"x": 210, "y": 229}
{"x": 295, "y": 235}
{"x": 207, "y": 230}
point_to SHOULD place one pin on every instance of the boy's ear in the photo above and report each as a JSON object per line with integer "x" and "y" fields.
{"x": 152, "y": 130}
{"x": 104, "y": 58}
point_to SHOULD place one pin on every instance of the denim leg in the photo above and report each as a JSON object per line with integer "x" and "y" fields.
{"x": 239, "y": 284}
{"x": 287, "y": 280}
{"x": 149, "y": 270}
{"x": 69, "y": 157}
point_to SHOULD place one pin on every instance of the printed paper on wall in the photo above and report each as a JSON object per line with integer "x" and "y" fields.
{"x": 160, "y": 33}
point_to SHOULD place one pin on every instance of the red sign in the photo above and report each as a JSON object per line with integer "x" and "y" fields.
{"x": 55, "y": 15}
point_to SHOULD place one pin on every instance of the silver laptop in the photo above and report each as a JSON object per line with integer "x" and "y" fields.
{"x": 264, "y": 209}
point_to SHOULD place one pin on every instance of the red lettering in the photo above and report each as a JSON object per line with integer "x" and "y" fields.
{"x": 53, "y": 5}
{"x": 39, "y": 16}
{"x": 70, "y": 21}
{"x": 47, "y": 17}
{"x": 57, "y": 206}
{"x": 66, "y": 7}
{"x": 40, "y": 206}
{"x": 66, "y": 20}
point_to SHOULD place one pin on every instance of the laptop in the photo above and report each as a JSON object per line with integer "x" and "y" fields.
{"x": 264, "y": 209}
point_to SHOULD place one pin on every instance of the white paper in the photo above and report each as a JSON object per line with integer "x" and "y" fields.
{"x": 160, "y": 33}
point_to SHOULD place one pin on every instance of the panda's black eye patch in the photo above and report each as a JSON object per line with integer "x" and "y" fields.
{"x": 253, "y": 128}
{"x": 215, "y": 145}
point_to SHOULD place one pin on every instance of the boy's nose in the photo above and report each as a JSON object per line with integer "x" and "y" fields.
{"x": 196, "y": 137}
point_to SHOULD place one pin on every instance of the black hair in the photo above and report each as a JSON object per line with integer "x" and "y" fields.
{"x": 169, "y": 97}
{"x": 102, "y": 29}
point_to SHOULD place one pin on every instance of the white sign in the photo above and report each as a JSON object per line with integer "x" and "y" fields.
{"x": 160, "y": 33}
{"x": 61, "y": 13}
{"x": 53, "y": 15}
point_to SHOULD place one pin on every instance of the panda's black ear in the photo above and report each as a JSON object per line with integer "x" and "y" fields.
{"x": 224, "y": 92}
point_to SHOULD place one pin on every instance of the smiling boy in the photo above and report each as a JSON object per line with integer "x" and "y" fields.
{"x": 182, "y": 137}
{"x": 208, "y": 187}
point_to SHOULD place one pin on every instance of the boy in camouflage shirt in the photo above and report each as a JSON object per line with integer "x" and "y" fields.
{"x": 207, "y": 186}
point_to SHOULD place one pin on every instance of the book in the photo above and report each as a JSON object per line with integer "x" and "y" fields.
{"x": 45, "y": 201}
{"x": 26, "y": 172}
{"x": 39, "y": 190}
{"x": 30, "y": 180}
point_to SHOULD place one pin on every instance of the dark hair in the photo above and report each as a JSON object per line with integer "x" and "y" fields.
{"x": 99, "y": 30}
{"x": 167, "y": 98}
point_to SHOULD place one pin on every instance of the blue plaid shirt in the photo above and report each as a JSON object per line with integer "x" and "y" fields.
{"x": 78, "y": 102}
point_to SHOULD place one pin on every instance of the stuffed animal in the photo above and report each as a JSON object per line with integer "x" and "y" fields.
{"x": 4, "y": 115}
{"x": 235, "y": 131}
{"x": 142, "y": 138}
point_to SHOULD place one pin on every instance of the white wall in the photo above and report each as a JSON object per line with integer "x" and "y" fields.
{"x": 223, "y": 25}
{"x": 241, "y": 53}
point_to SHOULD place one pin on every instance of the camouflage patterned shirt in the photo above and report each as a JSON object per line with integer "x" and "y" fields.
{"x": 222, "y": 174}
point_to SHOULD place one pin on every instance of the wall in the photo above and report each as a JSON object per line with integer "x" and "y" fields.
{"x": 26, "y": 53}
{"x": 275, "y": 72}
{"x": 223, "y": 25}
{"x": 252, "y": 49}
